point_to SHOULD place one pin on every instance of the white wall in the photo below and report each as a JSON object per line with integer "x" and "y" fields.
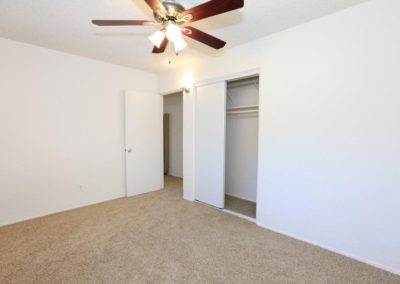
{"x": 62, "y": 130}
{"x": 329, "y": 135}
{"x": 241, "y": 144}
{"x": 173, "y": 105}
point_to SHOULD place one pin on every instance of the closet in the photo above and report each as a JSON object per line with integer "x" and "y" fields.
{"x": 226, "y": 145}
{"x": 241, "y": 146}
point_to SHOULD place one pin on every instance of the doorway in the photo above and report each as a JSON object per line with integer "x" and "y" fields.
{"x": 226, "y": 145}
{"x": 241, "y": 146}
{"x": 173, "y": 140}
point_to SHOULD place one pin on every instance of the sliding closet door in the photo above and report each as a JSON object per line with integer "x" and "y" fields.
{"x": 210, "y": 144}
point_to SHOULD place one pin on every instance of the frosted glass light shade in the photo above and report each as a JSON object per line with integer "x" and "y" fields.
{"x": 157, "y": 38}
{"x": 173, "y": 32}
{"x": 179, "y": 44}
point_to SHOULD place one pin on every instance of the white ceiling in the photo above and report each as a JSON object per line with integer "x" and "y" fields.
{"x": 65, "y": 25}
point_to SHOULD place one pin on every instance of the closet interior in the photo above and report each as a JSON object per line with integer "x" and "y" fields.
{"x": 241, "y": 146}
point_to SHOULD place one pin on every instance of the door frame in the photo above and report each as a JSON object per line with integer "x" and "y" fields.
{"x": 237, "y": 76}
{"x": 186, "y": 172}
{"x": 181, "y": 93}
{"x": 189, "y": 124}
{"x": 232, "y": 76}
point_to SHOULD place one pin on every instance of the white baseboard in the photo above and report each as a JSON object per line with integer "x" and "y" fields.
{"x": 66, "y": 209}
{"x": 349, "y": 255}
{"x": 253, "y": 220}
{"x": 188, "y": 198}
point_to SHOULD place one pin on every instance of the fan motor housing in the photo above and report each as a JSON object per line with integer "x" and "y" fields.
{"x": 173, "y": 5}
{"x": 173, "y": 10}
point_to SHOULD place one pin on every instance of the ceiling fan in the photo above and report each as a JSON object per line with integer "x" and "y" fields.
{"x": 174, "y": 19}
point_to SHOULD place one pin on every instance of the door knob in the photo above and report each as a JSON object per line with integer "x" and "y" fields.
{"x": 129, "y": 150}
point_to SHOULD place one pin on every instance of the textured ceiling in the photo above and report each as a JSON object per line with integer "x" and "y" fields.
{"x": 65, "y": 26}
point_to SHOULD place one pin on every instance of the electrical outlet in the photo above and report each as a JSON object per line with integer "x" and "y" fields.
{"x": 81, "y": 188}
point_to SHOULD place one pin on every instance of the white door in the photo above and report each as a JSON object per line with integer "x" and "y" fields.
{"x": 143, "y": 142}
{"x": 210, "y": 144}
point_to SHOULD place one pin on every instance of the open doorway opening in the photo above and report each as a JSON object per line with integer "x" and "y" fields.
{"x": 226, "y": 145}
{"x": 173, "y": 141}
{"x": 241, "y": 146}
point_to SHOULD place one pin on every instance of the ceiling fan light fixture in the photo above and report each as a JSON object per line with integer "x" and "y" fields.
{"x": 174, "y": 18}
{"x": 157, "y": 38}
{"x": 179, "y": 44}
{"x": 173, "y": 32}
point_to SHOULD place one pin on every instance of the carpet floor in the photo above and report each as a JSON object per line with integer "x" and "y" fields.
{"x": 160, "y": 238}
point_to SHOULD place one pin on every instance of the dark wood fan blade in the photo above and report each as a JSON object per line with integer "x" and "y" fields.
{"x": 203, "y": 37}
{"x": 122, "y": 23}
{"x": 162, "y": 48}
{"x": 155, "y": 4}
{"x": 212, "y": 8}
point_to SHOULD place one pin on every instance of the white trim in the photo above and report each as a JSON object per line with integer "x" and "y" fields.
{"x": 224, "y": 160}
{"x": 260, "y": 113}
{"x": 227, "y": 211}
{"x": 233, "y": 76}
{"x": 346, "y": 254}
{"x": 208, "y": 205}
{"x": 162, "y": 142}
{"x": 68, "y": 209}
{"x": 253, "y": 220}
{"x": 172, "y": 92}
{"x": 193, "y": 93}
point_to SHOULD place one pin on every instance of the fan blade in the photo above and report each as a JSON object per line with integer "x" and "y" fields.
{"x": 155, "y": 4}
{"x": 203, "y": 37}
{"x": 162, "y": 48}
{"x": 122, "y": 23}
{"x": 212, "y": 8}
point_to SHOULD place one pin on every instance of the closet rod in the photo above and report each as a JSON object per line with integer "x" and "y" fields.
{"x": 250, "y": 107}
{"x": 242, "y": 112}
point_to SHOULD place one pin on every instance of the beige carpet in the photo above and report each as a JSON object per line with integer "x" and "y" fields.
{"x": 240, "y": 206}
{"x": 160, "y": 238}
